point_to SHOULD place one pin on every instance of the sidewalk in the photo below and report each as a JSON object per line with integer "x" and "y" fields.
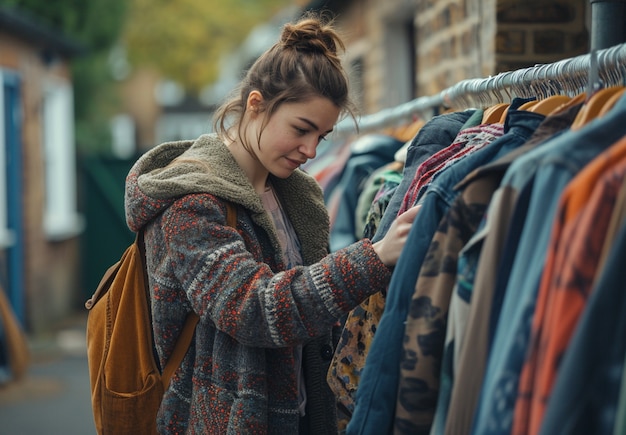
{"x": 54, "y": 398}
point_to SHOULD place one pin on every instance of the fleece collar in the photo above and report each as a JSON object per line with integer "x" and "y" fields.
{"x": 158, "y": 186}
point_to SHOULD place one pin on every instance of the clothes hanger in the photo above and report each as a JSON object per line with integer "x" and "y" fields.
{"x": 523, "y": 84}
{"x": 572, "y": 102}
{"x": 543, "y": 107}
{"x": 593, "y": 106}
{"x": 503, "y": 116}
{"x": 493, "y": 113}
{"x": 404, "y": 132}
{"x": 547, "y": 105}
{"x": 528, "y": 105}
{"x": 411, "y": 130}
{"x": 611, "y": 101}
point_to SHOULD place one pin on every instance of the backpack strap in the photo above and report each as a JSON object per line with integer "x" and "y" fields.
{"x": 180, "y": 349}
{"x": 231, "y": 214}
{"x": 186, "y": 335}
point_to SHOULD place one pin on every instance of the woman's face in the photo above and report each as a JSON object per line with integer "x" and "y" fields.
{"x": 292, "y": 134}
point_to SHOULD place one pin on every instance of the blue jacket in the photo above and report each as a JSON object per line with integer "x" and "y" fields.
{"x": 435, "y": 135}
{"x": 377, "y": 393}
{"x": 367, "y": 154}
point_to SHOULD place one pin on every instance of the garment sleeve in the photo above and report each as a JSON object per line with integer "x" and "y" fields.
{"x": 226, "y": 283}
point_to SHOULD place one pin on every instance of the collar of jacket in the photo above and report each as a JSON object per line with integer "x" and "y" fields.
{"x": 301, "y": 196}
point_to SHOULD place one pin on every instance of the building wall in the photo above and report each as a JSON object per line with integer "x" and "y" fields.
{"x": 413, "y": 48}
{"x": 455, "y": 40}
{"x": 51, "y": 268}
{"x": 388, "y": 54}
{"x": 138, "y": 95}
{"x": 532, "y": 32}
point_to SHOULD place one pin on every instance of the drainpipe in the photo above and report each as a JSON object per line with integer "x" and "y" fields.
{"x": 608, "y": 23}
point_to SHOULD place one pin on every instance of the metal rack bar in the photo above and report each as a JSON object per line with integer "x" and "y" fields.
{"x": 566, "y": 77}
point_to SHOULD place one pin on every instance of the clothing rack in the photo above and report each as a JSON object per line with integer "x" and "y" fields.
{"x": 599, "y": 68}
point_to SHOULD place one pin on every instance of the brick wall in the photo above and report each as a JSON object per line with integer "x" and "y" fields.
{"x": 455, "y": 42}
{"x": 532, "y": 32}
{"x": 452, "y": 40}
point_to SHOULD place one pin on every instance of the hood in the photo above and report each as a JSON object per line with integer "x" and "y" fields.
{"x": 151, "y": 186}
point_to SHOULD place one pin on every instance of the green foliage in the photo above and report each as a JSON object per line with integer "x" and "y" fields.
{"x": 96, "y": 101}
{"x": 185, "y": 38}
{"x": 96, "y": 25}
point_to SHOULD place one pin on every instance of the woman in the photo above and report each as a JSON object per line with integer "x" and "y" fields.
{"x": 267, "y": 292}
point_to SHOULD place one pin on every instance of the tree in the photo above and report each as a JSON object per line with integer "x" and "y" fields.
{"x": 95, "y": 23}
{"x": 184, "y": 39}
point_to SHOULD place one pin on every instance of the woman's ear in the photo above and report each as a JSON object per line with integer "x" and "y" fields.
{"x": 254, "y": 101}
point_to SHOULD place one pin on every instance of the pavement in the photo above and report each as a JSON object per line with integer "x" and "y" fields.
{"x": 54, "y": 398}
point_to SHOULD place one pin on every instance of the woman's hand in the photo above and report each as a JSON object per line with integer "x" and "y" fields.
{"x": 390, "y": 247}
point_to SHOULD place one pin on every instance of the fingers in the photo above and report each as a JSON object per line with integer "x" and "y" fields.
{"x": 390, "y": 247}
{"x": 405, "y": 220}
{"x": 411, "y": 213}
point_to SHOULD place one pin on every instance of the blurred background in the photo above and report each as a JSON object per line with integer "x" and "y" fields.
{"x": 88, "y": 86}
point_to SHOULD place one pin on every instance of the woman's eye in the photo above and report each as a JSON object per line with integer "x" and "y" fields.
{"x": 301, "y": 131}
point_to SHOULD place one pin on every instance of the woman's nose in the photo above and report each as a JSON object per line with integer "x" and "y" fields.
{"x": 309, "y": 147}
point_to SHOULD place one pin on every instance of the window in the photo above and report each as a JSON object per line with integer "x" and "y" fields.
{"x": 7, "y": 127}
{"x": 400, "y": 60}
{"x": 61, "y": 220}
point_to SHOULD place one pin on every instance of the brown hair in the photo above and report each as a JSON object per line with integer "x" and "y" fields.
{"x": 304, "y": 63}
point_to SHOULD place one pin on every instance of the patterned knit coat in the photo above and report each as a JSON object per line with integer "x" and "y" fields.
{"x": 239, "y": 375}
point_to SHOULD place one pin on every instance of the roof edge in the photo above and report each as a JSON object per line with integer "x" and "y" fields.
{"x": 30, "y": 29}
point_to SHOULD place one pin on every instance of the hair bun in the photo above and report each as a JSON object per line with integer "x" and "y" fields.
{"x": 311, "y": 35}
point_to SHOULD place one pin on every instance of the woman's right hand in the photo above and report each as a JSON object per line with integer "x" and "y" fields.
{"x": 390, "y": 246}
